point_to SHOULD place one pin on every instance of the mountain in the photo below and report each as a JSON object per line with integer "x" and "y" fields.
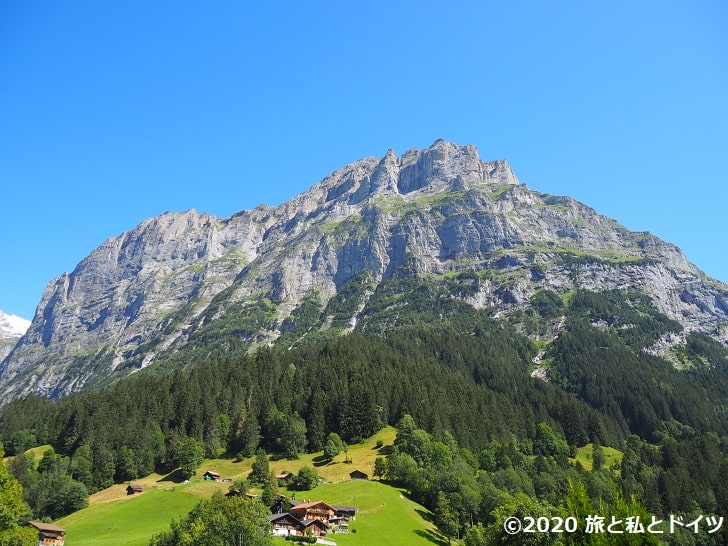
{"x": 321, "y": 261}
{"x": 12, "y": 328}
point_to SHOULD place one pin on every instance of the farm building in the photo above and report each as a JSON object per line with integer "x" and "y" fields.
{"x": 285, "y": 524}
{"x": 49, "y": 534}
{"x": 313, "y": 510}
{"x": 358, "y": 475}
{"x": 344, "y": 512}
{"x": 315, "y": 527}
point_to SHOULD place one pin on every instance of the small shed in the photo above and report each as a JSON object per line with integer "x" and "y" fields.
{"x": 211, "y": 476}
{"x": 133, "y": 489}
{"x": 49, "y": 534}
{"x": 358, "y": 475}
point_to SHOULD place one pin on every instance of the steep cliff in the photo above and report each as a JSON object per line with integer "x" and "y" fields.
{"x": 431, "y": 213}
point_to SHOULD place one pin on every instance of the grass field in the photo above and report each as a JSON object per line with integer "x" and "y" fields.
{"x": 37, "y": 453}
{"x": 584, "y": 456}
{"x": 386, "y": 516}
{"x": 128, "y": 521}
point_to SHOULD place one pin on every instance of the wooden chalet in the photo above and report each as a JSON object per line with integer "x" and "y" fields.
{"x": 309, "y": 517}
{"x": 358, "y": 475}
{"x": 344, "y": 512}
{"x": 316, "y": 527}
{"x": 319, "y": 510}
{"x": 49, "y": 534}
{"x": 285, "y": 524}
{"x": 133, "y": 489}
{"x": 211, "y": 476}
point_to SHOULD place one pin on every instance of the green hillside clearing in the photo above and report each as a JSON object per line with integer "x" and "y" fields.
{"x": 584, "y": 456}
{"x": 386, "y": 515}
{"x": 130, "y": 521}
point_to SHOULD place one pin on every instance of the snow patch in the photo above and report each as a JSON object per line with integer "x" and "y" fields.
{"x": 13, "y": 325}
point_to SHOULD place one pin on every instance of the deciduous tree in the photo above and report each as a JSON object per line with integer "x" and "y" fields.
{"x": 220, "y": 521}
{"x": 12, "y": 508}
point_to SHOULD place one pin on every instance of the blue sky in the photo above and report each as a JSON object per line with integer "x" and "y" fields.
{"x": 112, "y": 112}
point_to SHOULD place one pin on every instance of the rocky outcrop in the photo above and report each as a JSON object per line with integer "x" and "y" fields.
{"x": 432, "y": 212}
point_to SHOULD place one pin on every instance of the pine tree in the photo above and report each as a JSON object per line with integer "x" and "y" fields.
{"x": 260, "y": 467}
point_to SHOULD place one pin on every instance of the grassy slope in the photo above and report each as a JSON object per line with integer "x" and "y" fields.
{"x": 386, "y": 515}
{"x": 129, "y": 521}
{"x": 584, "y": 456}
{"x": 37, "y": 453}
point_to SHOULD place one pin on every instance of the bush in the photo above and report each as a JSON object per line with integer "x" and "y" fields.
{"x": 301, "y": 540}
{"x": 307, "y": 478}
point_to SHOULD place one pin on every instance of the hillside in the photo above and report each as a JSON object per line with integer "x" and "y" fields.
{"x": 486, "y": 417}
{"x": 386, "y": 515}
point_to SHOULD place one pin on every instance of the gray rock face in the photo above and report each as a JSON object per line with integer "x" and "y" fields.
{"x": 438, "y": 210}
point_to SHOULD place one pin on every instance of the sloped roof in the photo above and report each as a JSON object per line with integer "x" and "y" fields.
{"x": 275, "y": 517}
{"x": 343, "y": 508}
{"x": 311, "y": 504}
{"x": 320, "y": 523}
{"x": 49, "y": 527}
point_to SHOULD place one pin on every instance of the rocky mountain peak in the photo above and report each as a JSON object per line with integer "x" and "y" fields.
{"x": 441, "y": 167}
{"x": 434, "y": 213}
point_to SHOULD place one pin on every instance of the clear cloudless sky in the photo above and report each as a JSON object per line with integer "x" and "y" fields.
{"x": 115, "y": 111}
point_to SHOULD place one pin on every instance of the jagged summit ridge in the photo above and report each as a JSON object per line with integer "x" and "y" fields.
{"x": 442, "y": 166}
{"x": 431, "y": 213}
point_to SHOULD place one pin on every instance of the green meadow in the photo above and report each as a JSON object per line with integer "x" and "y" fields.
{"x": 386, "y": 516}
{"x": 128, "y": 521}
{"x": 584, "y": 456}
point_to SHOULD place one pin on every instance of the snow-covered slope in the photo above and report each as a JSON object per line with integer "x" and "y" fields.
{"x": 12, "y": 325}
{"x": 12, "y": 328}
